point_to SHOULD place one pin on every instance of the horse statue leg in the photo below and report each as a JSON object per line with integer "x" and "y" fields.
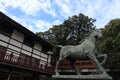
{"x": 61, "y": 57}
{"x": 57, "y": 64}
{"x": 93, "y": 57}
{"x": 105, "y": 58}
{"x": 72, "y": 64}
{"x": 101, "y": 55}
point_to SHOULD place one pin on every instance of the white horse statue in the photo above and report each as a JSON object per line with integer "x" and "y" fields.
{"x": 85, "y": 49}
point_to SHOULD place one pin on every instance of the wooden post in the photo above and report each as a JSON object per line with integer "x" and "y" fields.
{"x": 35, "y": 76}
{"x": 9, "y": 74}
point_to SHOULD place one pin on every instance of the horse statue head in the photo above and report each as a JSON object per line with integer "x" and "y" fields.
{"x": 96, "y": 33}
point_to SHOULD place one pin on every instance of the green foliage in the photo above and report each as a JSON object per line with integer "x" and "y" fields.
{"x": 111, "y": 41}
{"x": 71, "y": 31}
{"x": 110, "y": 44}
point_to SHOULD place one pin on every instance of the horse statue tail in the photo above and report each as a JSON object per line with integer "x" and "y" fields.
{"x": 56, "y": 50}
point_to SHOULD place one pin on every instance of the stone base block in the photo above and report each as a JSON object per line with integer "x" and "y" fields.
{"x": 82, "y": 77}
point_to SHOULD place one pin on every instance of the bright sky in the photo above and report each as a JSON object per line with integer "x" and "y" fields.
{"x": 40, "y": 15}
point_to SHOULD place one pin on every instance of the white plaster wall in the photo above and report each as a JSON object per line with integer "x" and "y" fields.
{"x": 16, "y": 43}
{"x": 3, "y": 44}
{"x": 44, "y": 59}
{"x": 8, "y": 51}
{"x": 18, "y": 36}
{"x": 49, "y": 58}
{"x": 14, "y": 52}
{"x": 26, "y": 52}
{"x": 36, "y": 52}
{"x": 4, "y": 38}
{"x": 14, "y": 48}
{"x": 35, "y": 56}
{"x": 27, "y": 48}
{"x": 44, "y": 55}
{"x": 37, "y": 46}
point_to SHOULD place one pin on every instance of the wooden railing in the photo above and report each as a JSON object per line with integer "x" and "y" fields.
{"x": 85, "y": 64}
{"x": 24, "y": 61}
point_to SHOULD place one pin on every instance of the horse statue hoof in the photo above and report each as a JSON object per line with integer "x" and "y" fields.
{"x": 79, "y": 74}
{"x": 57, "y": 73}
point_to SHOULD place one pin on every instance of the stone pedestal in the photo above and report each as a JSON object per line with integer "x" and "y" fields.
{"x": 81, "y": 77}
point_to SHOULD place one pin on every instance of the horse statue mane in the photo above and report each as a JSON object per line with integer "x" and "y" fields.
{"x": 86, "y": 36}
{"x": 86, "y": 48}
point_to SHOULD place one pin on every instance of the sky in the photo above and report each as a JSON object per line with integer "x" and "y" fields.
{"x": 40, "y": 15}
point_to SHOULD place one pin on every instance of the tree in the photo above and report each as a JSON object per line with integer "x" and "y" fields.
{"x": 71, "y": 31}
{"x": 110, "y": 43}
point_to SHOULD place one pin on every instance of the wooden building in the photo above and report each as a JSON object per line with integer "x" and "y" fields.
{"x": 22, "y": 52}
{"x": 24, "y": 55}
